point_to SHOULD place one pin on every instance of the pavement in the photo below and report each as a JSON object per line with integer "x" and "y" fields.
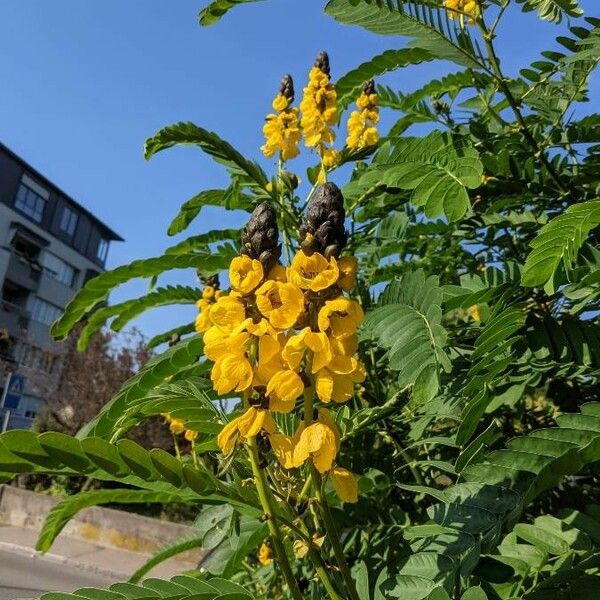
{"x": 70, "y": 564}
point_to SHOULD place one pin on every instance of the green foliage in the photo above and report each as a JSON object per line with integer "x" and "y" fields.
{"x": 408, "y": 325}
{"x": 96, "y": 290}
{"x": 429, "y": 28}
{"x": 559, "y": 242}
{"x": 180, "y": 587}
{"x": 438, "y": 169}
{"x": 216, "y": 10}
{"x": 348, "y": 86}
{"x": 553, "y": 10}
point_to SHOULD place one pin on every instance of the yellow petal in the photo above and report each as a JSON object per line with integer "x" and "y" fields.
{"x": 324, "y": 385}
{"x": 348, "y": 266}
{"x": 283, "y": 389}
{"x": 345, "y": 484}
{"x": 341, "y": 316}
{"x": 313, "y": 272}
{"x": 283, "y": 448}
{"x": 227, "y": 313}
{"x": 245, "y": 274}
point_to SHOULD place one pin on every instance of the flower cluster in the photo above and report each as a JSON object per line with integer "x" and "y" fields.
{"x": 281, "y": 130}
{"x": 319, "y": 112}
{"x": 462, "y": 8}
{"x": 362, "y": 123}
{"x": 177, "y": 427}
{"x": 210, "y": 295}
{"x": 284, "y": 333}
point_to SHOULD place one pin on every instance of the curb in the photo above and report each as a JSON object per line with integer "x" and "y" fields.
{"x": 63, "y": 560}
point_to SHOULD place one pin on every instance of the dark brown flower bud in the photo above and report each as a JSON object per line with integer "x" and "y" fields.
{"x": 260, "y": 237}
{"x": 322, "y": 62}
{"x": 212, "y": 281}
{"x": 369, "y": 87}
{"x": 286, "y": 87}
{"x": 323, "y": 230}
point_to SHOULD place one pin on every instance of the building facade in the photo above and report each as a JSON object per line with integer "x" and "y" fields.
{"x": 49, "y": 247}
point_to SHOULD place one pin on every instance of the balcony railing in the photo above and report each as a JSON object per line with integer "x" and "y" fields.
{"x": 13, "y": 318}
{"x": 23, "y": 271}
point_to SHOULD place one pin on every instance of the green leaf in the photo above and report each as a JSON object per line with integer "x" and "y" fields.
{"x": 167, "y": 336}
{"x": 386, "y": 18}
{"x": 223, "y": 152}
{"x": 164, "y": 554}
{"x": 96, "y": 290}
{"x": 560, "y": 241}
{"x": 202, "y": 241}
{"x": 217, "y": 9}
{"x": 348, "y": 87}
{"x": 408, "y": 326}
{"x": 228, "y": 199}
{"x": 153, "y": 374}
{"x": 405, "y": 587}
{"x": 62, "y": 513}
{"x": 438, "y": 169}
{"x": 552, "y": 10}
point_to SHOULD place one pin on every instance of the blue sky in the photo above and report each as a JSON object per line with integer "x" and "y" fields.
{"x": 84, "y": 83}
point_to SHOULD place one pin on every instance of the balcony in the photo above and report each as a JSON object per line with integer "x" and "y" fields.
{"x": 23, "y": 271}
{"x": 13, "y": 318}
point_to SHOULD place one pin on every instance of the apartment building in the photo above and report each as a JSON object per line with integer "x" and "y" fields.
{"x": 49, "y": 247}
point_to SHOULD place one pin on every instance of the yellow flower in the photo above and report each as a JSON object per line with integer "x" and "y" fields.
{"x": 281, "y": 303}
{"x": 243, "y": 427}
{"x": 317, "y": 342}
{"x": 177, "y": 426}
{"x": 461, "y": 8}
{"x": 346, "y": 346}
{"x": 166, "y": 417}
{"x": 345, "y": 484}
{"x": 362, "y": 130}
{"x": 278, "y": 273}
{"x": 473, "y": 311}
{"x": 319, "y": 109}
{"x": 203, "y": 321}
{"x": 283, "y": 448}
{"x": 231, "y": 372}
{"x": 217, "y": 344}
{"x": 330, "y": 157}
{"x": 313, "y": 272}
{"x": 208, "y": 292}
{"x": 269, "y": 359}
{"x": 347, "y": 266}
{"x": 280, "y": 102}
{"x": 336, "y": 381}
{"x": 264, "y": 555}
{"x": 227, "y": 313}
{"x": 319, "y": 442}
{"x": 341, "y": 316}
{"x": 281, "y": 130}
{"x": 191, "y": 436}
{"x": 283, "y": 389}
{"x": 245, "y": 274}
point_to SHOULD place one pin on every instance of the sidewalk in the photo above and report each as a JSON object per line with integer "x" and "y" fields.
{"x": 115, "y": 564}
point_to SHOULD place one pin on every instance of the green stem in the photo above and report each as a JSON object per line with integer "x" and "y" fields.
{"x": 501, "y": 80}
{"x": 273, "y": 525}
{"x": 332, "y": 534}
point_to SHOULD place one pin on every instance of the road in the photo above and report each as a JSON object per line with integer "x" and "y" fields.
{"x": 23, "y": 576}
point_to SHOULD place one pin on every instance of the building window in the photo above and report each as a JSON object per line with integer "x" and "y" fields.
{"x": 31, "y": 199}
{"x": 68, "y": 221}
{"x": 58, "y": 269}
{"x": 102, "y": 251}
{"x": 44, "y": 312}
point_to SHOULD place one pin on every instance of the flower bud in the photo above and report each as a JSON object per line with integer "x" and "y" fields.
{"x": 324, "y": 231}
{"x": 260, "y": 237}
{"x": 322, "y": 63}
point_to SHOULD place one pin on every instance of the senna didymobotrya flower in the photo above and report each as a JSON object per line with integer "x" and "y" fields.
{"x": 319, "y": 113}
{"x": 362, "y": 123}
{"x": 283, "y": 330}
{"x": 461, "y": 8}
{"x": 281, "y": 130}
